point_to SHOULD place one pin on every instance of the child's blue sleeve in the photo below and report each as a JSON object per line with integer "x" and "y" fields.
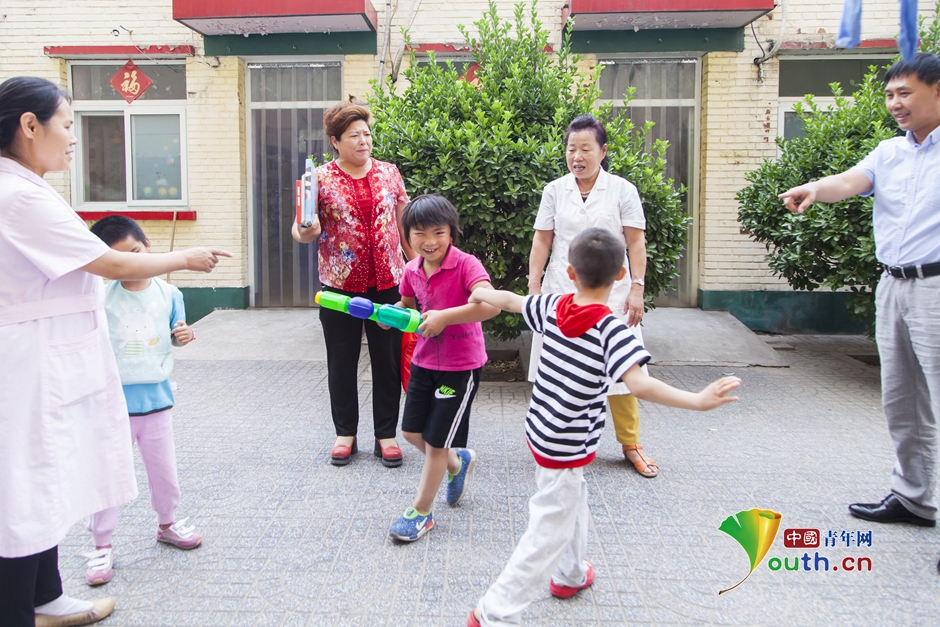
{"x": 178, "y": 313}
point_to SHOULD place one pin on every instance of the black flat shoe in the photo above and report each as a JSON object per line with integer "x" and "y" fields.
{"x": 890, "y": 510}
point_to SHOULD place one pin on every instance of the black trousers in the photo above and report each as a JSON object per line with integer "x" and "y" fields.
{"x": 26, "y": 583}
{"x": 343, "y": 336}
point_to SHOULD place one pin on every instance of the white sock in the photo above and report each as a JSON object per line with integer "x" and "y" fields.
{"x": 63, "y": 606}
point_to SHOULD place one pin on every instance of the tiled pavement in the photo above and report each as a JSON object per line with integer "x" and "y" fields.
{"x": 292, "y": 540}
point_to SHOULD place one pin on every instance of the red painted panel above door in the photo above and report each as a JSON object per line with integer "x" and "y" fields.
{"x": 263, "y": 17}
{"x": 650, "y": 14}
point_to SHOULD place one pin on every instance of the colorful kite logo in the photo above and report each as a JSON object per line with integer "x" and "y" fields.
{"x": 755, "y": 530}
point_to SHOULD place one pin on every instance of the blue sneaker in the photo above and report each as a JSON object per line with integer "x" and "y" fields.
{"x": 457, "y": 484}
{"x": 411, "y": 525}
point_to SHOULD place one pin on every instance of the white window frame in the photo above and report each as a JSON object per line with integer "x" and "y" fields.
{"x": 785, "y": 103}
{"x": 93, "y": 108}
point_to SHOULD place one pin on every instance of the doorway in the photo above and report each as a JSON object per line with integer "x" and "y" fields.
{"x": 667, "y": 92}
{"x": 286, "y": 102}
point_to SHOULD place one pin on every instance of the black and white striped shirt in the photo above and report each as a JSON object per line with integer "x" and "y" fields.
{"x": 566, "y": 414}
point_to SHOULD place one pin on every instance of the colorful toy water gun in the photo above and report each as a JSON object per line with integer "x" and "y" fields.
{"x": 406, "y": 320}
{"x": 307, "y": 191}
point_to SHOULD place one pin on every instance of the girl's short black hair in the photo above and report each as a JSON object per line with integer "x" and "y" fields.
{"x": 597, "y": 256}
{"x": 430, "y": 210}
{"x": 115, "y": 229}
{"x": 27, "y": 94}
{"x": 588, "y": 122}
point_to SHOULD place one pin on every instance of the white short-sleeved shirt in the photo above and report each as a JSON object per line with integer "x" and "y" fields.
{"x": 65, "y": 451}
{"x": 613, "y": 204}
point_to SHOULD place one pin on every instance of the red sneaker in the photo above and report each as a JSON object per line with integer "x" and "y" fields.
{"x": 566, "y": 592}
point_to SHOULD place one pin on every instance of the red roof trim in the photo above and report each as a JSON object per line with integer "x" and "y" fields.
{"x": 667, "y": 6}
{"x": 120, "y": 51}
{"x": 878, "y": 43}
{"x": 189, "y": 216}
{"x": 463, "y": 48}
{"x": 439, "y": 48}
{"x": 196, "y": 9}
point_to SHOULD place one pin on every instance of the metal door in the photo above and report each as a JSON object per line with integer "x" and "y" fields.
{"x": 667, "y": 92}
{"x": 286, "y": 105}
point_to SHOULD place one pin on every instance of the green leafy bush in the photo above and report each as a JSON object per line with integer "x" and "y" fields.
{"x": 830, "y": 245}
{"x": 492, "y": 145}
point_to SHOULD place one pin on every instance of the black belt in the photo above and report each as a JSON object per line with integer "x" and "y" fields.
{"x": 913, "y": 272}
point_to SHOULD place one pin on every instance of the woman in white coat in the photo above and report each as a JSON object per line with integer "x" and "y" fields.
{"x": 590, "y": 197}
{"x": 65, "y": 450}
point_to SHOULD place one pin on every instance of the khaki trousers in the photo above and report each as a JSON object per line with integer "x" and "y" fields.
{"x": 625, "y": 414}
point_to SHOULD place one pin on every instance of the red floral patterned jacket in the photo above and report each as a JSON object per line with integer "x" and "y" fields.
{"x": 360, "y": 244}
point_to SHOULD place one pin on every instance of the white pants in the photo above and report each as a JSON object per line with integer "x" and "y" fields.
{"x": 552, "y": 548}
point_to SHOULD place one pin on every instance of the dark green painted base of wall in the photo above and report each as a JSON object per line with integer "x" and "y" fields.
{"x": 657, "y": 40}
{"x": 202, "y": 301}
{"x": 785, "y": 312}
{"x": 291, "y": 43}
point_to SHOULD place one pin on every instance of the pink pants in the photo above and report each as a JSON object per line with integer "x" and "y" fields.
{"x": 153, "y": 434}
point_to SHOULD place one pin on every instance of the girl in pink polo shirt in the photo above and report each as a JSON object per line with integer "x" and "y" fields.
{"x": 445, "y": 369}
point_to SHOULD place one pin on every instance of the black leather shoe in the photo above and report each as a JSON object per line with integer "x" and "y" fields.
{"x": 890, "y": 510}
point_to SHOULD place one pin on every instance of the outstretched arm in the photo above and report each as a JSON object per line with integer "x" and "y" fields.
{"x": 647, "y": 388}
{"x": 501, "y": 299}
{"x": 829, "y": 189}
{"x": 435, "y": 321}
{"x": 131, "y": 266}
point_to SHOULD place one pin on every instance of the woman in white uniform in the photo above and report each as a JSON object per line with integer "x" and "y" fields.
{"x": 65, "y": 451}
{"x": 590, "y": 197}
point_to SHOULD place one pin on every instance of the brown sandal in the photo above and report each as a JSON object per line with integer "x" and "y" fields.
{"x": 645, "y": 467}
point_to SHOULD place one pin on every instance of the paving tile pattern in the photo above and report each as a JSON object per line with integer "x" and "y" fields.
{"x": 291, "y": 540}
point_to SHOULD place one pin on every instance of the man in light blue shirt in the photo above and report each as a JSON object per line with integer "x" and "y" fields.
{"x": 904, "y": 175}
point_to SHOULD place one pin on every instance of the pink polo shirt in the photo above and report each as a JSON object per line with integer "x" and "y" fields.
{"x": 459, "y": 346}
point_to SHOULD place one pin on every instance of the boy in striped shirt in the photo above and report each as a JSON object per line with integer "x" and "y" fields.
{"x": 584, "y": 346}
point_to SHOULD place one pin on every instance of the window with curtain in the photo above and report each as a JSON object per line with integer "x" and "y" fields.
{"x": 129, "y": 154}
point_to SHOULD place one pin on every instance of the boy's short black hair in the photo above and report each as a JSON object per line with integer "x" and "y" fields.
{"x": 925, "y": 66}
{"x": 430, "y": 210}
{"x": 597, "y": 257}
{"x": 115, "y": 229}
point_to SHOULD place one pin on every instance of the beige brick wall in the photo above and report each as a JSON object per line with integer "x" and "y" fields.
{"x": 214, "y": 109}
{"x": 358, "y": 70}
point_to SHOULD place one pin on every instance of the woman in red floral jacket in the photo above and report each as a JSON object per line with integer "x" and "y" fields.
{"x": 360, "y": 254}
